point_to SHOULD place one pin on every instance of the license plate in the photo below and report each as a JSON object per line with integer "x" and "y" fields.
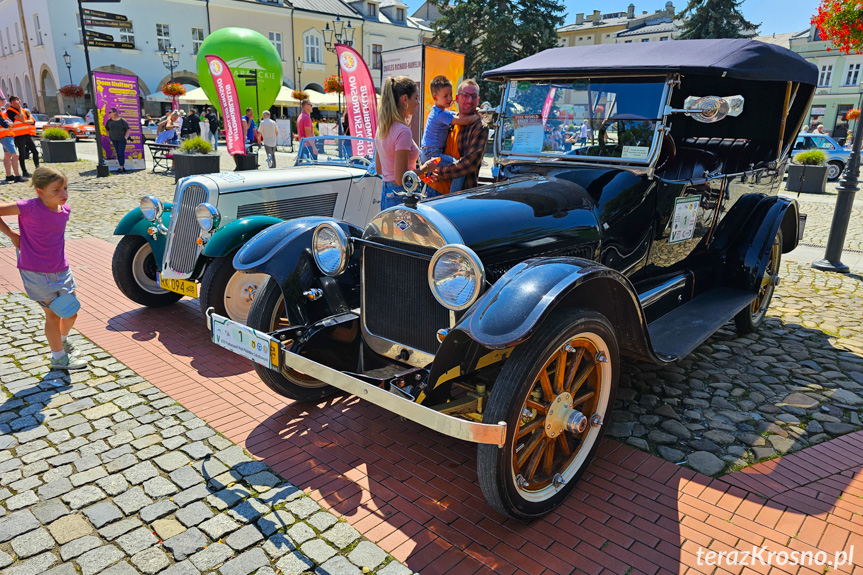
{"x": 245, "y": 341}
{"x": 184, "y": 287}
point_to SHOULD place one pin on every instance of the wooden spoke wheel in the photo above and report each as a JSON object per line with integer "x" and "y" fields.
{"x": 751, "y": 318}
{"x": 554, "y": 393}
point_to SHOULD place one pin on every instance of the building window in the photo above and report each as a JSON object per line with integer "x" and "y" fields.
{"x": 373, "y": 11}
{"x": 37, "y": 29}
{"x": 608, "y": 35}
{"x": 197, "y": 39}
{"x": 580, "y": 38}
{"x": 18, "y": 36}
{"x": 276, "y": 41}
{"x": 589, "y": 37}
{"x": 312, "y": 48}
{"x": 663, "y": 38}
{"x": 163, "y": 36}
{"x": 840, "y": 127}
{"x": 400, "y": 14}
{"x": 627, "y": 41}
{"x": 127, "y": 35}
{"x": 826, "y": 75}
{"x": 377, "y": 59}
{"x": 852, "y": 75}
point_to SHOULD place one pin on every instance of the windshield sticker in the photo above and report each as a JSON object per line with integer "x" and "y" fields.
{"x": 636, "y": 152}
{"x": 580, "y": 85}
{"x": 507, "y": 145}
{"x": 683, "y": 221}
{"x": 524, "y": 86}
{"x": 528, "y": 133}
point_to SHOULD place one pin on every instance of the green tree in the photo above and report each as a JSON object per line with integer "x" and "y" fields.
{"x": 715, "y": 19}
{"x": 493, "y": 33}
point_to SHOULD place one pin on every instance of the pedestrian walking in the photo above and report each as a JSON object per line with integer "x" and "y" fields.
{"x": 10, "y": 154}
{"x": 42, "y": 260}
{"x": 213, "y": 120}
{"x": 270, "y": 137}
{"x": 191, "y": 125}
{"x": 118, "y": 132}
{"x": 23, "y": 130}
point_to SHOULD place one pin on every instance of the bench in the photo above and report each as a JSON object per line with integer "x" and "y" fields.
{"x": 163, "y": 155}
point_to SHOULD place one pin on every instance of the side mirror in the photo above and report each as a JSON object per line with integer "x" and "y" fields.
{"x": 710, "y": 109}
{"x": 410, "y": 181}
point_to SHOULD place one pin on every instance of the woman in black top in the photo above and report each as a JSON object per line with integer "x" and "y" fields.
{"x": 118, "y": 133}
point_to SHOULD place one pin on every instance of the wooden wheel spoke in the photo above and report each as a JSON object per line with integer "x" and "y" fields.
{"x": 546, "y": 384}
{"x": 535, "y": 457}
{"x": 548, "y": 457}
{"x": 582, "y": 398}
{"x": 564, "y": 445}
{"x": 573, "y": 369}
{"x": 559, "y": 371}
{"x": 530, "y": 427}
{"x": 537, "y": 406}
{"x": 528, "y": 449}
{"x": 581, "y": 379}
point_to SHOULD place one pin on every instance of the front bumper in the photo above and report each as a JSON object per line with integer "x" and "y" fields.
{"x": 271, "y": 353}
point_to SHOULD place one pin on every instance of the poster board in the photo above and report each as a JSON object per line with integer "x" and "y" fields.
{"x": 120, "y": 91}
{"x": 406, "y": 62}
{"x": 440, "y": 62}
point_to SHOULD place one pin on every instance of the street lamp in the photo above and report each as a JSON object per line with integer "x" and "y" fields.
{"x": 343, "y": 35}
{"x": 299, "y": 73}
{"x": 68, "y": 60}
{"x": 846, "y": 189}
{"x": 170, "y": 58}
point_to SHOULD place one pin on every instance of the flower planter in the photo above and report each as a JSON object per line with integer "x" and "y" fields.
{"x": 59, "y": 151}
{"x": 807, "y": 179}
{"x": 194, "y": 164}
{"x": 246, "y": 162}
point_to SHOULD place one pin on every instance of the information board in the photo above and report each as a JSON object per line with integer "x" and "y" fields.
{"x": 120, "y": 91}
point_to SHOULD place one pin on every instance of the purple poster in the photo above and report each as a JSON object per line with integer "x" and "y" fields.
{"x": 121, "y": 92}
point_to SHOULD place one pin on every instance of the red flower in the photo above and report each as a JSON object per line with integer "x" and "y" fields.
{"x": 841, "y": 23}
{"x": 173, "y": 89}
{"x": 72, "y": 91}
{"x": 333, "y": 84}
{"x": 299, "y": 95}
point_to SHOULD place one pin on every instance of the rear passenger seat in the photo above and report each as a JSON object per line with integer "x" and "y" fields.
{"x": 735, "y": 155}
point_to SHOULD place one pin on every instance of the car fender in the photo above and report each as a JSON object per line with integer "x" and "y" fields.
{"x": 748, "y": 252}
{"x": 283, "y": 251}
{"x": 230, "y": 237}
{"x": 134, "y": 224}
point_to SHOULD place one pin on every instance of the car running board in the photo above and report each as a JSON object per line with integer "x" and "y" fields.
{"x": 677, "y": 333}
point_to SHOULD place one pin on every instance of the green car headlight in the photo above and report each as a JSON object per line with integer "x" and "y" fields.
{"x": 456, "y": 276}
{"x": 151, "y": 208}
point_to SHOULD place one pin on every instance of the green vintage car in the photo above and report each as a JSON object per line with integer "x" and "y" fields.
{"x": 185, "y": 248}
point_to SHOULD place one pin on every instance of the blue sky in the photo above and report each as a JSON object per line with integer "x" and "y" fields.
{"x": 775, "y": 16}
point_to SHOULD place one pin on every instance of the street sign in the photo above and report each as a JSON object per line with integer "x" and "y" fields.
{"x": 108, "y": 24}
{"x": 104, "y": 15}
{"x": 104, "y": 44}
{"x": 98, "y": 36}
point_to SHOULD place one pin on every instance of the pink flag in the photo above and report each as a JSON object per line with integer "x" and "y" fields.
{"x": 230, "y": 103}
{"x": 360, "y": 99}
{"x": 2, "y": 95}
{"x": 546, "y": 107}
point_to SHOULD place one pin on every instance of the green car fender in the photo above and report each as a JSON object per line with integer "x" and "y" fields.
{"x": 230, "y": 238}
{"x": 134, "y": 224}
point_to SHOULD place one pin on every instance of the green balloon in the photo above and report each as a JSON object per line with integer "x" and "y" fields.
{"x": 245, "y": 52}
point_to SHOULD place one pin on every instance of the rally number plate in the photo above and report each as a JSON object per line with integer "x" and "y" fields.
{"x": 184, "y": 287}
{"x": 245, "y": 341}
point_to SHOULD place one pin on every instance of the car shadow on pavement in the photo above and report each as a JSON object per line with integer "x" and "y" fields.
{"x": 180, "y": 330}
{"x": 403, "y": 484}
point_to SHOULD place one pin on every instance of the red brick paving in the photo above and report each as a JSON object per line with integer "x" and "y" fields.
{"x": 414, "y": 492}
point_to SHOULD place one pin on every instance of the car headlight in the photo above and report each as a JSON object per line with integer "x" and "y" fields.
{"x": 331, "y": 248}
{"x": 456, "y": 276}
{"x": 208, "y": 216}
{"x": 151, "y": 207}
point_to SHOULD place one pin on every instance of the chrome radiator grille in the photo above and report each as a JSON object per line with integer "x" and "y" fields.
{"x": 290, "y": 208}
{"x": 397, "y": 302}
{"x": 181, "y": 249}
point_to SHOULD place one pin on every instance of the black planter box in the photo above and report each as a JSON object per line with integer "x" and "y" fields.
{"x": 194, "y": 164}
{"x": 59, "y": 151}
{"x": 807, "y": 179}
{"x": 246, "y": 162}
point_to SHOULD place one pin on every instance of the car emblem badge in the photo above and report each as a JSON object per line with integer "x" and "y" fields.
{"x": 402, "y": 225}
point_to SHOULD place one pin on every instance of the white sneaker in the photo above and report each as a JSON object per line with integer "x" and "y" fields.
{"x": 66, "y": 363}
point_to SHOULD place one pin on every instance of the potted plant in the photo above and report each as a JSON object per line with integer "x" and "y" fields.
{"x": 807, "y": 172}
{"x": 57, "y": 146}
{"x": 195, "y": 156}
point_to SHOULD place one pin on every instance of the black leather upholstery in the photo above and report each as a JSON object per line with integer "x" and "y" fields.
{"x": 691, "y": 164}
{"x": 735, "y": 155}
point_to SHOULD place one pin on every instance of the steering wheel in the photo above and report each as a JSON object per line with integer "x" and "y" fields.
{"x": 362, "y": 160}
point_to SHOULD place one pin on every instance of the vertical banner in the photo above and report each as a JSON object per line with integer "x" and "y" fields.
{"x": 360, "y": 99}
{"x": 227, "y": 93}
{"x": 406, "y": 62}
{"x": 546, "y": 106}
{"x": 121, "y": 92}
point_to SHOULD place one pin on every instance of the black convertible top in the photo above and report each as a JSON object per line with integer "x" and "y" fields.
{"x": 734, "y": 58}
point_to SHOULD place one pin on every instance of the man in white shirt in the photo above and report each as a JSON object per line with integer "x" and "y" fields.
{"x": 270, "y": 134}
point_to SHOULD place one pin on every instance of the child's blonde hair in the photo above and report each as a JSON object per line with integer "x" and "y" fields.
{"x": 44, "y": 176}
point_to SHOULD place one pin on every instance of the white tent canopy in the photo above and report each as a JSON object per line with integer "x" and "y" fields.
{"x": 160, "y": 97}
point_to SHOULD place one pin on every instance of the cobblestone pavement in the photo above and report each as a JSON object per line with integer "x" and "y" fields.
{"x": 101, "y": 472}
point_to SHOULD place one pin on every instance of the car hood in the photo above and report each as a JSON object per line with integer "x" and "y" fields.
{"x": 228, "y": 182}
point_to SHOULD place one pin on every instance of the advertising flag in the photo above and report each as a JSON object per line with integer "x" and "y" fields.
{"x": 360, "y": 99}
{"x": 119, "y": 91}
{"x": 227, "y": 93}
{"x": 546, "y": 107}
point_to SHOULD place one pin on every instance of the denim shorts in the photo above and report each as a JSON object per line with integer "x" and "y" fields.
{"x": 388, "y": 196}
{"x": 8, "y": 144}
{"x": 45, "y": 288}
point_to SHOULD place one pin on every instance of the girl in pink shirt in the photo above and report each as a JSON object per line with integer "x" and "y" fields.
{"x": 395, "y": 150}
{"x": 42, "y": 256}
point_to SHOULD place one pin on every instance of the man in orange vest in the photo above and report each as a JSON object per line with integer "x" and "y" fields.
{"x": 23, "y": 128}
{"x": 10, "y": 154}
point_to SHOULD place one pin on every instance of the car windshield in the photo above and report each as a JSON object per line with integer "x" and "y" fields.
{"x": 73, "y": 121}
{"x": 824, "y": 144}
{"x": 40, "y": 117}
{"x": 591, "y": 117}
{"x": 337, "y": 151}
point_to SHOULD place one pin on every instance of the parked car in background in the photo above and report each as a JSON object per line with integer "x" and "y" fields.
{"x": 75, "y": 125}
{"x": 837, "y": 157}
{"x": 186, "y": 247}
{"x": 41, "y": 120}
{"x": 498, "y": 315}
{"x": 89, "y": 117}
{"x": 149, "y": 129}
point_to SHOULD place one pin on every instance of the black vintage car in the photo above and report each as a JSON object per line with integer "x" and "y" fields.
{"x": 499, "y": 314}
